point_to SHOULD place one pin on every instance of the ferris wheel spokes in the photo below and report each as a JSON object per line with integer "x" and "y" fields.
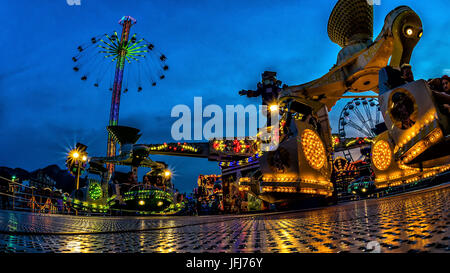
{"x": 361, "y": 118}
{"x": 358, "y": 128}
{"x": 358, "y": 123}
{"x": 368, "y": 115}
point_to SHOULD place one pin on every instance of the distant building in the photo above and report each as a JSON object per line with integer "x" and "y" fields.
{"x": 41, "y": 181}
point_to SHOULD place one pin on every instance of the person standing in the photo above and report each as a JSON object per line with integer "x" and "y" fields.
{"x": 175, "y": 196}
{"x": 446, "y": 88}
{"x": 445, "y": 80}
{"x": 145, "y": 180}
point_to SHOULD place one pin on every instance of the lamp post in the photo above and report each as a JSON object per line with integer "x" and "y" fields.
{"x": 79, "y": 158}
{"x": 75, "y": 161}
{"x": 82, "y": 159}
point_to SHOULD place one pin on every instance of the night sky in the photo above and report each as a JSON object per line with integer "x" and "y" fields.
{"x": 214, "y": 47}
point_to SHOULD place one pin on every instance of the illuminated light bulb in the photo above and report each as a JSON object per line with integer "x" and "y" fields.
{"x": 273, "y": 107}
{"x": 409, "y": 31}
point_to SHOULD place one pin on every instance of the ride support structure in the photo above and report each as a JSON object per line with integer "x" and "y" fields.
{"x": 126, "y": 22}
{"x": 103, "y": 60}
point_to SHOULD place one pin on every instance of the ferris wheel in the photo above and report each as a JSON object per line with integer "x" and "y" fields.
{"x": 359, "y": 119}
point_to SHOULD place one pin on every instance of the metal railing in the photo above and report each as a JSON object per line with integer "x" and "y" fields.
{"x": 19, "y": 197}
{"x": 15, "y": 196}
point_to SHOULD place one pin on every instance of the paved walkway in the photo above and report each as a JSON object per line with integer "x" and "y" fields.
{"x": 411, "y": 222}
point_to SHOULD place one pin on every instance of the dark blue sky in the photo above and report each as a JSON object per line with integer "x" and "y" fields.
{"x": 214, "y": 49}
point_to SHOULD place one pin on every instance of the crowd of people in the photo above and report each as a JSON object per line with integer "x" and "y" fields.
{"x": 124, "y": 182}
{"x": 441, "y": 91}
{"x": 209, "y": 205}
{"x": 128, "y": 181}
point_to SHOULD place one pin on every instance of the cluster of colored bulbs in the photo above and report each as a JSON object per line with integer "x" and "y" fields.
{"x": 419, "y": 127}
{"x": 381, "y": 155}
{"x": 318, "y": 182}
{"x": 294, "y": 190}
{"x": 145, "y": 194}
{"x": 244, "y": 179}
{"x": 412, "y": 175}
{"x": 422, "y": 145}
{"x": 313, "y": 149}
{"x": 286, "y": 178}
{"x": 236, "y": 145}
{"x": 335, "y": 141}
{"x": 359, "y": 141}
{"x": 280, "y": 189}
{"x": 240, "y": 162}
{"x": 85, "y": 205}
{"x": 244, "y": 188}
{"x": 180, "y": 147}
{"x": 340, "y": 165}
{"x": 297, "y": 116}
{"x": 95, "y": 191}
{"x": 280, "y": 178}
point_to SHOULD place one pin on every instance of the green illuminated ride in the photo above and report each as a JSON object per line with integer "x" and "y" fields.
{"x": 153, "y": 196}
{"x": 95, "y": 191}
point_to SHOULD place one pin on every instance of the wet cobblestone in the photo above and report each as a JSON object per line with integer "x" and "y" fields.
{"x": 408, "y": 223}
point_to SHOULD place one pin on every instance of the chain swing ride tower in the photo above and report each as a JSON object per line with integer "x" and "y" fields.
{"x": 145, "y": 65}
{"x": 121, "y": 51}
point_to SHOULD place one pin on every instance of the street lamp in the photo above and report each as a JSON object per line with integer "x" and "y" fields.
{"x": 80, "y": 162}
{"x": 273, "y": 107}
{"x": 76, "y": 160}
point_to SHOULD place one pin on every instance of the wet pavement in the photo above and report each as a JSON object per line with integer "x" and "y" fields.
{"x": 411, "y": 222}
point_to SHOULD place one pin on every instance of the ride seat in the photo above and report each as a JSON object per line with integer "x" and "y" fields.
{"x": 415, "y": 123}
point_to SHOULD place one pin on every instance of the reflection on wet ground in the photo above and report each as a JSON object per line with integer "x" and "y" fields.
{"x": 411, "y": 222}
